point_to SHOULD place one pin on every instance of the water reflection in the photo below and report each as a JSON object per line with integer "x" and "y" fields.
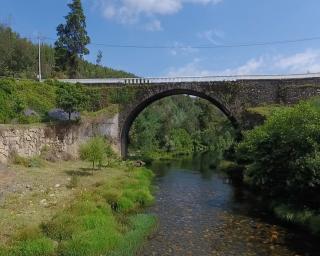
{"x": 201, "y": 213}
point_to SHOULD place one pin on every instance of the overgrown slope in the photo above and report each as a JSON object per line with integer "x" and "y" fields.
{"x": 19, "y": 58}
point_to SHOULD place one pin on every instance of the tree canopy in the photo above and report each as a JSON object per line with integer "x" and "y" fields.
{"x": 282, "y": 156}
{"x": 70, "y": 98}
{"x": 181, "y": 124}
{"x": 72, "y": 40}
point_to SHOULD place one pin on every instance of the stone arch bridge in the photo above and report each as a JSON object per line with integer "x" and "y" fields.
{"x": 232, "y": 95}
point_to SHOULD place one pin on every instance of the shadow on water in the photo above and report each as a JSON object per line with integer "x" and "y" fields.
{"x": 202, "y": 213}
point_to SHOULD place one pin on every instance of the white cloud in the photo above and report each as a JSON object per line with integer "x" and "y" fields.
{"x": 307, "y": 61}
{"x": 195, "y": 68}
{"x": 181, "y": 49}
{"x": 130, "y": 11}
{"x": 303, "y": 62}
{"x": 212, "y": 35}
{"x": 154, "y": 25}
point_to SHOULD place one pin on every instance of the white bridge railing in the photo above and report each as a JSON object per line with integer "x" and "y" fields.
{"x": 158, "y": 80}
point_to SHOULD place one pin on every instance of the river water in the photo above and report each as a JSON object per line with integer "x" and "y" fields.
{"x": 201, "y": 213}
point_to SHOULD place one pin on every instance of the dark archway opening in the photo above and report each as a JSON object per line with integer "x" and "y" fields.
{"x": 131, "y": 117}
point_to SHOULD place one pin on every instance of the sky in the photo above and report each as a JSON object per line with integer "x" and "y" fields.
{"x": 182, "y": 24}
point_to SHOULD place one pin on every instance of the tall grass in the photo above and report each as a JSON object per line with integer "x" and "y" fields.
{"x": 305, "y": 218}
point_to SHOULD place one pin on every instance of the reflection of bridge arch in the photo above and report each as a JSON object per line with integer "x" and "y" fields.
{"x": 134, "y": 112}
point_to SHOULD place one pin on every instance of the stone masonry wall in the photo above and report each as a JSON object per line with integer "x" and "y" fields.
{"x": 63, "y": 138}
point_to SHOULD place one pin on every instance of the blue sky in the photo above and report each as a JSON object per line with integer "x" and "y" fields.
{"x": 185, "y": 23}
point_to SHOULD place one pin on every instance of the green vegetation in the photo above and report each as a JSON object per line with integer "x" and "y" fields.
{"x": 102, "y": 218}
{"x": 95, "y": 151}
{"x": 282, "y": 162}
{"x": 20, "y": 96}
{"x": 19, "y": 59}
{"x": 69, "y": 51}
{"x": 264, "y": 111}
{"x": 17, "y": 96}
{"x": 123, "y": 95}
{"x": 26, "y": 162}
{"x": 70, "y": 98}
{"x": 180, "y": 125}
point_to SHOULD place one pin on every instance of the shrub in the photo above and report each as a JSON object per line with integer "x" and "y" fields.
{"x": 19, "y": 160}
{"x": 283, "y": 155}
{"x": 71, "y": 98}
{"x": 32, "y": 162}
{"x": 94, "y": 151}
{"x": 180, "y": 141}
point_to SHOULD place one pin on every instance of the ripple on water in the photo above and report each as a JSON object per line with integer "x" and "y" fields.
{"x": 200, "y": 215}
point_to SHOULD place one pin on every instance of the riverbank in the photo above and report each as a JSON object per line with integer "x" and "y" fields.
{"x": 65, "y": 208}
{"x": 302, "y": 217}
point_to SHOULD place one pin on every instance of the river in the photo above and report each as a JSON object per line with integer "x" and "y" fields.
{"x": 201, "y": 213}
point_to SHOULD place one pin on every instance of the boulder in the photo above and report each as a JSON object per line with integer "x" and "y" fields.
{"x": 61, "y": 115}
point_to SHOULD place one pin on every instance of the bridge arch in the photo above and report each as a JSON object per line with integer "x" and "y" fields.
{"x": 132, "y": 112}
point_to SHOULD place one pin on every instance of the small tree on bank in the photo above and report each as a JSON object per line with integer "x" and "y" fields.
{"x": 72, "y": 40}
{"x": 94, "y": 151}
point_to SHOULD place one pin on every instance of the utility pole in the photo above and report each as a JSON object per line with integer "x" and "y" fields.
{"x": 39, "y": 45}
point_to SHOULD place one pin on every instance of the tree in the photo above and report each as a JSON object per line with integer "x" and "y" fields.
{"x": 99, "y": 57}
{"x": 282, "y": 155}
{"x": 70, "y": 98}
{"x": 94, "y": 151}
{"x": 72, "y": 40}
{"x": 180, "y": 141}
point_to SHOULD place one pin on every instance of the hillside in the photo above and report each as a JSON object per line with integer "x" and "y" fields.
{"x": 19, "y": 59}
{"x": 27, "y": 101}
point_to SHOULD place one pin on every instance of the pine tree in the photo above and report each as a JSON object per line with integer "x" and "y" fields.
{"x": 72, "y": 41}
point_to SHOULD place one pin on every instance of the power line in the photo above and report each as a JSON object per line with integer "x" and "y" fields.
{"x": 240, "y": 45}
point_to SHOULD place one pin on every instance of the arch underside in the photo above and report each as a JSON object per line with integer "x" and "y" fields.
{"x": 129, "y": 119}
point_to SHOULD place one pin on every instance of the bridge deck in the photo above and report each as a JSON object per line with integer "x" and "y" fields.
{"x": 157, "y": 80}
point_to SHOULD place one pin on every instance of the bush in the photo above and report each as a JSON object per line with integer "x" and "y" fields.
{"x": 283, "y": 155}
{"x": 94, "y": 151}
{"x": 180, "y": 141}
{"x": 26, "y": 162}
{"x": 71, "y": 98}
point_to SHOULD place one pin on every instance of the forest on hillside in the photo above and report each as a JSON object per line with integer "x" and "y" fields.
{"x": 180, "y": 124}
{"x": 19, "y": 59}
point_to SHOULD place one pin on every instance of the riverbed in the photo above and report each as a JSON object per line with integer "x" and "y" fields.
{"x": 202, "y": 213}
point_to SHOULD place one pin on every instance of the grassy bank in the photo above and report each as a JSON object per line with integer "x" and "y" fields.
{"x": 305, "y": 218}
{"x": 75, "y": 212}
{"x": 148, "y": 157}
